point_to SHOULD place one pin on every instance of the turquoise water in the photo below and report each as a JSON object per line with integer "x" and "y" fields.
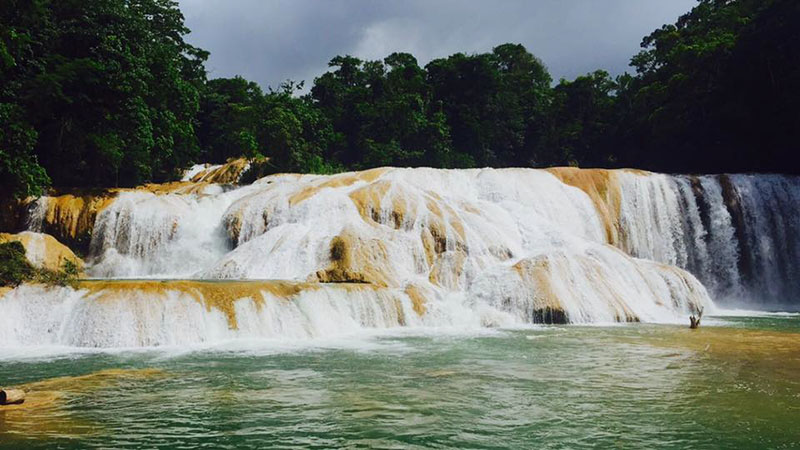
{"x": 734, "y": 385}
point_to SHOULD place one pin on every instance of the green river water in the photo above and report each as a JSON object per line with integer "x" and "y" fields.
{"x": 734, "y": 383}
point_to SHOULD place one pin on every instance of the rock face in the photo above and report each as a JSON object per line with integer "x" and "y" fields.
{"x": 602, "y": 187}
{"x": 228, "y": 173}
{"x": 43, "y": 250}
{"x": 69, "y": 217}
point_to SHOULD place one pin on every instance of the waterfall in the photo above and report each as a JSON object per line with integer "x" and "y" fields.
{"x": 428, "y": 247}
{"x": 145, "y": 235}
{"x": 155, "y": 314}
{"x": 736, "y": 233}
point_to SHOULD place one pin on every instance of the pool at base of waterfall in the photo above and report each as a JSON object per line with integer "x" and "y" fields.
{"x": 733, "y": 383}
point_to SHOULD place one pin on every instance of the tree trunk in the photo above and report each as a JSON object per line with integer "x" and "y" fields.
{"x": 11, "y": 396}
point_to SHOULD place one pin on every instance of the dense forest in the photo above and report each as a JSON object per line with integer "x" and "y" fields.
{"x": 109, "y": 93}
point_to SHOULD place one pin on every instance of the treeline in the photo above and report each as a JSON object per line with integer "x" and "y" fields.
{"x": 108, "y": 93}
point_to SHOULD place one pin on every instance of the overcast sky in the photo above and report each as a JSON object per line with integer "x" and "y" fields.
{"x": 269, "y": 41}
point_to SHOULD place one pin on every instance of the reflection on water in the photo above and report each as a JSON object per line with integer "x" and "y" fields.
{"x": 646, "y": 386}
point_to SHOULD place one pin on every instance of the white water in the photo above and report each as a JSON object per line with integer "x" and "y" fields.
{"x": 145, "y": 235}
{"x": 38, "y": 316}
{"x": 488, "y": 221}
{"x": 197, "y": 168}
{"x": 743, "y": 244}
{"x": 35, "y": 249}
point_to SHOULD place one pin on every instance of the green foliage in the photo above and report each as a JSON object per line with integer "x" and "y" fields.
{"x": 20, "y": 171}
{"x": 14, "y": 266}
{"x": 495, "y": 103}
{"x": 228, "y": 119}
{"x": 294, "y": 133}
{"x": 582, "y": 119}
{"x": 19, "y": 168}
{"x": 67, "y": 275}
{"x": 237, "y": 119}
{"x": 107, "y": 92}
{"x": 714, "y": 92}
{"x": 460, "y": 111}
{"x": 16, "y": 269}
{"x": 718, "y": 90}
{"x": 381, "y": 113}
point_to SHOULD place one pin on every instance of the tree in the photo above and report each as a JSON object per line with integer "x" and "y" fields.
{"x": 716, "y": 90}
{"x": 229, "y": 118}
{"x": 109, "y": 87}
{"x": 462, "y": 85}
{"x": 107, "y": 92}
{"x": 295, "y": 133}
{"x": 20, "y": 171}
{"x": 382, "y": 113}
{"x": 519, "y": 109}
{"x": 583, "y": 123}
{"x": 495, "y": 103}
{"x": 337, "y": 93}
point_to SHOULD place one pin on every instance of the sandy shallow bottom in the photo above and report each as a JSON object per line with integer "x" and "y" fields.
{"x": 734, "y": 383}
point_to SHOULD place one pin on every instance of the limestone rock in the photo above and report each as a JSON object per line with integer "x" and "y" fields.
{"x": 43, "y": 250}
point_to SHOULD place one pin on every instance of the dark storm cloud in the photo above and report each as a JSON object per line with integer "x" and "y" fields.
{"x": 269, "y": 41}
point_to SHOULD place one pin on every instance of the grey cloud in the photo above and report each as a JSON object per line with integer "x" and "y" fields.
{"x": 269, "y": 41}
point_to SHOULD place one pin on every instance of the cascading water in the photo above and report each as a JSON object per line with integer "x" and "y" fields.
{"x": 736, "y": 233}
{"x": 144, "y": 314}
{"x": 165, "y": 236}
{"x": 431, "y": 248}
{"x": 768, "y": 218}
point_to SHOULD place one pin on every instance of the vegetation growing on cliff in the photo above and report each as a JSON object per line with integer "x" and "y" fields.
{"x": 108, "y": 93}
{"x": 14, "y": 266}
{"x": 16, "y": 269}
